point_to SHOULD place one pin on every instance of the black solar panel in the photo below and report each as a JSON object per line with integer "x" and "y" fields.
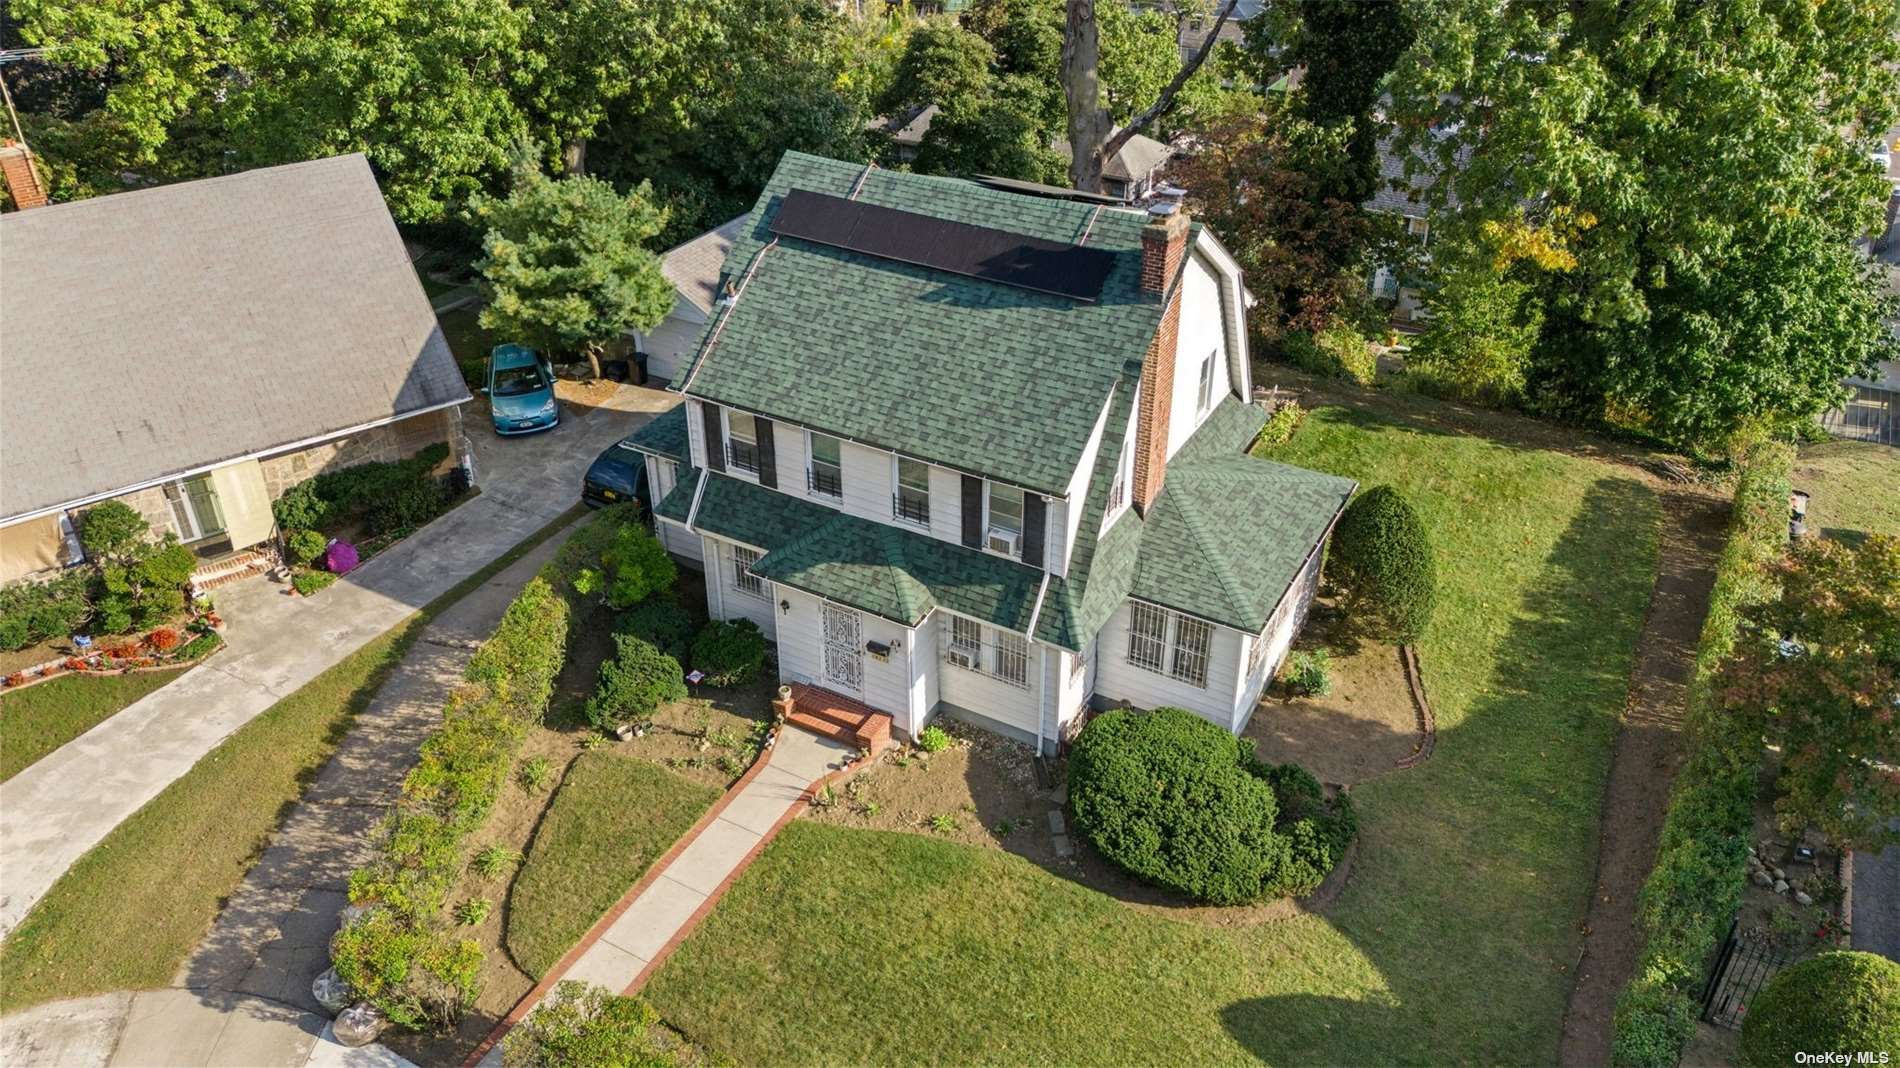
{"x": 960, "y": 248}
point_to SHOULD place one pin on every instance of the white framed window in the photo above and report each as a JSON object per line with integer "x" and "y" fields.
{"x": 743, "y": 579}
{"x": 1169, "y": 643}
{"x": 1418, "y": 226}
{"x": 824, "y": 472}
{"x": 1005, "y": 527}
{"x": 911, "y": 501}
{"x": 1207, "y": 381}
{"x": 987, "y": 651}
{"x": 1147, "y": 636}
{"x": 742, "y": 442}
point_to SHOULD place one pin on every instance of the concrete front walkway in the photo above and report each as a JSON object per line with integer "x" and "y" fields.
{"x": 60, "y": 807}
{"x": 679, "y": 893}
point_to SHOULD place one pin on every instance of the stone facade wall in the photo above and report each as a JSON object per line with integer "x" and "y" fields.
{"x": 396, "y": 441}
{"x": 150, "y": 503}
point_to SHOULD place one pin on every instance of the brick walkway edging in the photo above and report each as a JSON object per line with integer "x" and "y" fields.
{"x": 1427, "y": 722}
{"x": 653, "y": 873}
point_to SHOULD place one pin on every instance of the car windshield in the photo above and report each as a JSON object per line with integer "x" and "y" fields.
{"x": 517, "y": 381}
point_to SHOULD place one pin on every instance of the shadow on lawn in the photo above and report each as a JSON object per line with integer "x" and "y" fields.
{"x": 1455, "y": 855}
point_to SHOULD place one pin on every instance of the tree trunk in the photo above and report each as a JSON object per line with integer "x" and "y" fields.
{"x": 574, "y": 156}
{"x": 1082, "y": 87}
{"x": 592, "y": 349}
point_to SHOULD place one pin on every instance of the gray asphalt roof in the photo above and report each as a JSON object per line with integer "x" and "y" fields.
{"x": 693, "y": 267}
{"x": 152, "y": 332}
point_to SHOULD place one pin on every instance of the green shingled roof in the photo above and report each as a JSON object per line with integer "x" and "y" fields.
{"x": 663, "y": 435}
{"x": 898, "y": 574}
{"x": 678, "y": 502}
{"x": 966, "y": 373}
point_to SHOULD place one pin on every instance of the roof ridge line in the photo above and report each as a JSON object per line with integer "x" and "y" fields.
{"x": 712, "y": 339}
{"x": 1229, "y": 582}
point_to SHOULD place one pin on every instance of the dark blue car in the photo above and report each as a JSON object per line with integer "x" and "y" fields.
{"x": 521, "y": 391}
{"x": 617, "y": 476}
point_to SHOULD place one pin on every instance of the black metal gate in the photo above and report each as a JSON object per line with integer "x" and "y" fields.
{"x": 1742, "y": 966}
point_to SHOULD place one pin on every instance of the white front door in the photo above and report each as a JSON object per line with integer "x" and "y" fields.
{"x": 844, "y": 650}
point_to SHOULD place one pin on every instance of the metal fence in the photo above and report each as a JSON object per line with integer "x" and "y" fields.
{"x": 1871, "y": 414}
{"x": 1742, "y": 967}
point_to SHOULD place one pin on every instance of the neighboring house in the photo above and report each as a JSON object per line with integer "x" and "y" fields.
{"x": 196, "y": 349}
{"x": 967, "y": 451}
{"x": 693, "y": 268}
{"x": 905, "y": 132}
{"x": 1403, "y": 197}
{"x": 1134, "y": 171}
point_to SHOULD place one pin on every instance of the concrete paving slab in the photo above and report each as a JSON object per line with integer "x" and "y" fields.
{"x": 606, "y": 965}
{"x": 262, "y": 1034}
{"x": 329, "y": 1053}
{"x": 167, "y": 1027}
{"x": 703, "y": 865}
{"x": 764, "y": 800}
{"x": 75, "y": 1033}
{"x": 653, "y": 918}
{"x": 318, "y": 846}
{"x": 809, "y": 756}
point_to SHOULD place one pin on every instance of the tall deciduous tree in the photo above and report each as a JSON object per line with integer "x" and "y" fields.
{"x": 1829, "y": 698}
{"x": 564, "y": 266}
{"x": 1721, "y": 151}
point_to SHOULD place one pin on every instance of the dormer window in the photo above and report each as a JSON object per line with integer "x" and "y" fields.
{"x": 742, "y": 442}
{"x": 1005, "y": 521}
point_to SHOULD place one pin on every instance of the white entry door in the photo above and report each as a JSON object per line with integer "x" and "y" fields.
{"x": 844, "y": 649}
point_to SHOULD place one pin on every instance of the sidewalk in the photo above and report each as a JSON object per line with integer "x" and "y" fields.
{"x": 633, "y": 940}
{"x": 181, "y": 1028}
{"x": 60, "y": 807}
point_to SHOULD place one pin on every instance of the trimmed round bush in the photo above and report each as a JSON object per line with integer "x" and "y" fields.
{"x": 661, "y": 621}
{"x": 1382, "y": 555}
{"x": 1317, "y": 829}
{"x": 1842, "y": 1000}
{"x": 730, "y": 652}
{"x": 640, "y": 566}
{"x": 1173, "y": 799}
{"x": 638, "y": 680}
{"x": 305, "y": 546}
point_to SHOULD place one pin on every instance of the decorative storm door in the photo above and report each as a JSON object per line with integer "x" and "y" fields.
{"x": 844, "y": 649}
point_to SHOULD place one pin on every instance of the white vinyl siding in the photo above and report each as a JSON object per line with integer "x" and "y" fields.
{"x": 889, "y": 684}
{"x": 1117, "y": 680}
{"x": 972, "y": 646}
{"x": 1065, "y": 513}
{"x": 670, "y": 345}
{"x": 1203, "y": 331}
{"x": 1015, "y": 698}
{"x": 724, "y": 599}
{"x": 661, "y": 476}
{"x": 1267, "y": 650}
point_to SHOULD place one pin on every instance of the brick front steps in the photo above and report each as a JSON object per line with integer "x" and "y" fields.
{"x": 233, "y": 568}
{"x": 840, "y": 718}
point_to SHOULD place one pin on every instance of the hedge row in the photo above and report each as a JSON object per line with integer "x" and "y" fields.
{"x": 401, "y": 953}
{"x": 1702, "y": 856}
{"x": 386, "y": 495}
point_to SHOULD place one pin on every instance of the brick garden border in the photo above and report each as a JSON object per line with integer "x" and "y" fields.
{"x": 57, "y": 669}
{"x": 1427, "y": 721}
{"x": 541, "y": 989}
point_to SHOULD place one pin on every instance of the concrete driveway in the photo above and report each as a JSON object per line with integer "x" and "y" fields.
{"x": 57, "y": 809}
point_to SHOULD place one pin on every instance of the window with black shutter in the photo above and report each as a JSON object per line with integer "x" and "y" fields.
{"x": 1035, "y": 523}
{"x": 768, "y": 455}
{"x": 715, "y": 437}
{"x": 973, "y": 511}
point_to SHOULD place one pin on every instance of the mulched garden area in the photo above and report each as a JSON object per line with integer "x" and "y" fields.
{"x": 1361, "y": 729}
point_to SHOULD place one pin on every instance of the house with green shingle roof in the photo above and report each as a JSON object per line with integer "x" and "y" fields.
{"x": 966, "y": 450}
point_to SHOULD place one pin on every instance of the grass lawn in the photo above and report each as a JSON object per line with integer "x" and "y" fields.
{"x": 127, "y": 913}
{"x": 612, "y": 819}
{"x": 1453, "y": 941}
{"x": 39, "y": 719}
{"x": 1855, "y": 484}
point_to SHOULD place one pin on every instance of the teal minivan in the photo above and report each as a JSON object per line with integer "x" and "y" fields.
{"x": 521, "y": 391}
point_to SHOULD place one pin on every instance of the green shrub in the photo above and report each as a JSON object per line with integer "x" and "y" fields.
{"x": 1173, "y": 799}
{"x": 660, "y": 621}
{"x": 142, "y": 587}
{"x": 1702, "y": 853}
{"x": 38, "y": 611}
{"x": 933, "y": 739}
{"x": 417, "y": 978}
{"x": 494, "y": 860}
{"x": 309, "y": 582}
{"x": 112, "y": 530}
{"x": 1282, "y": 423}
{"x": 535, "y": 774}
{"x": 522, "y": 659}
{"x": 638, "y": 680}
{"x": 473, "y": 911}
{"x": 407, "y": 505}
{"x": 1337, "y": 351}
{"x": 199, "y": 647}
{"x": 305, "y": 546}
{"x": 640, "y": 566}
{"x": 1310, "y": 672}
{"x": 587, "y": 1025}
{"x": 1317, "y": 829}
{"x": 300, "y": 508}
{"x": 1837, "y": 1001}
{"x": 729, "y": 652}
{"x": 1382, "y": 555}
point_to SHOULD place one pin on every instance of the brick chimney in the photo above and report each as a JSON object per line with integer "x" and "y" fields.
{"x": 21, "y": 176}
{"x": 1163, "y": 243}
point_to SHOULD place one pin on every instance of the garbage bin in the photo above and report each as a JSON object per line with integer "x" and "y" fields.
{"x": 639, "y": 368}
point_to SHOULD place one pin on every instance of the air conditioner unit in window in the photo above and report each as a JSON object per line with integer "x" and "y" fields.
{"x": 962, "y": 658}
{"x": 1005, "y": 541}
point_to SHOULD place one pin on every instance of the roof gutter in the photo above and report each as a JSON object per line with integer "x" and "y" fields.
{"x": 188, "y": 472}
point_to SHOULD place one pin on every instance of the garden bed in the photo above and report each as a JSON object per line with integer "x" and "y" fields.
{"x": 1361, "y": 729}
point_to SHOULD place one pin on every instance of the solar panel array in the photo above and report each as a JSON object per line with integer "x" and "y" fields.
{"x": 940, "y": 244}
